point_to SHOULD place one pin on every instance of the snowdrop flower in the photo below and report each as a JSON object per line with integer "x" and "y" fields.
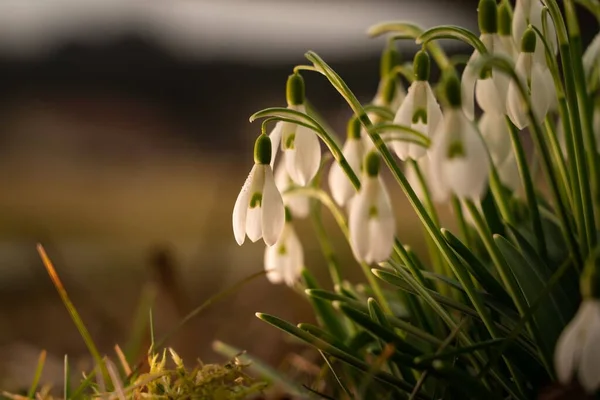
{"x": 275, "y": 136}
{"x": 507, "y": 41}
{"x": 299, "y": 143}
{"x": 258, "y": 210}
{"x": 340, "y": 186}
{"x": 458, "y": 156}
{"x": 285, "y": 259}
{"x": 298, "y": 204}
{"x": 489, "y": 87}
{"x": 536, "y": 78}
{"x": 371, "y": 220}
{"x": 495, "y": 134}
{"x": 419, "y": 111}
{"x": 529, "y": 12}
{"x": 578, "y": 347}
{"x": 437, "y": 191}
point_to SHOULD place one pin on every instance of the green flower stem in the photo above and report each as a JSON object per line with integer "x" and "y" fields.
{"x": 452, "y": 32}
{"x": 587, "y": 241}
{"x": 322, "y": 237}
{"x": 325, "y": 199}
{"x": 463, "y": 227}
{"x": 536, "y": 220}
{"x": 507, "y": 277}
{"x": 450, "y": 257}
{"x": 412, "y": 31}
{"x": 585, "y": 114}
{"x": 559, "y": 160}
{"x": 499, "y": 192}
{"x": 546, "y": 162}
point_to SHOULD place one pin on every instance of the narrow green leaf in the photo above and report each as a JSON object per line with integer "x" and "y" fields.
{"x": 478, "y": 270}
{"x": 326, "y": 315}
{"x": 38, "y": 375}
{"x": 326, "y": 336}
{"x": 328, "y": 348}
{"x": 428, "y": 359}
{"x": 468, "y": 385}
{"x": 452, "y": 32}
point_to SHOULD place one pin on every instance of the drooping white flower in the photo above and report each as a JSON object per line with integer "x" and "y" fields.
{"x": 340, "y": 186}
{"x": 371, "y": 220}
{"x": 300, "y": 144}
{"x": 529, "y": 12}
{"x": 458, "y": 156}
{"x": 285, "y": 259}
{"x": 536, "y": 77}
{"x": 496, "y": 136}
{"x": 578, "y": 348}
{"x": 419, "y": 111}
{"x": 258, "y": 210}
{"x": 488, "y": 87}
{"x": 298, "y": 205}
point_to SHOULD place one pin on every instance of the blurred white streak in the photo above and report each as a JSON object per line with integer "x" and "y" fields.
{"x": 255, "y": 31}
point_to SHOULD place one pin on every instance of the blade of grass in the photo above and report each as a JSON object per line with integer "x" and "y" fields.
{"x": 87, "y": 338}
{"x": 38, "y": 375}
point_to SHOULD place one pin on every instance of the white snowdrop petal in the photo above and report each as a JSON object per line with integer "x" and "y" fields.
{"x": 515, "y": 109}
{"x": 240, "y": 209}
{"x": 299, "y": 205}
{"x": 358, "y": 221}
{"x": 253, "y": 216}
{"x": 296, "y": 258}
{"x": 494, "y": 131}
{"x": 591, "y": 56}
{"x": 404, "y": 117}
{"x": 435, "y": 177}
{"x": 339, "y": 184}
{"x": 540, "y": 96}
{"x": 589, "y": 365}
{"x": 468, "y": 81}
{"x": 434, "y": 112}
{"x": 273, "y": 212}
{"x": 508, "y": 46}
{"x": 519, "y": 22}
{"x": 275, "y": 137}
{"x": 382, "y": 228}
{"x": 272, "y": 264}
{"x": 253, "y": 224}
{"x": 508, "y": 171}
{"x": 306, "y": 155}
{"x": 568, "y": 347}
{"x": 488, "y": 96}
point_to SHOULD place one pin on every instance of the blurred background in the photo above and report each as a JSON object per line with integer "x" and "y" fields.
{"x": 124, "y": 140}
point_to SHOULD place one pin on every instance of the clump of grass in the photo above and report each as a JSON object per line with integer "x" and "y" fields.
{"x": 166, "y": 378}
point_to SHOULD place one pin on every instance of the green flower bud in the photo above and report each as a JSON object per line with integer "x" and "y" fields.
{"x": 452, "y": 90}
{"x": 504, "y": 20}
{"x": 354, "y": 128}
{"x": 422, "y": 66}
{"x": 590, "y": 278}
{"x": 262, "y": 150}
{"x": 372, "y": 164}
{"x": 488, "y": 16}
{"x": 528, "y": 42}
{"x": 389, "y": 59}
{"x": 295, "y": 90}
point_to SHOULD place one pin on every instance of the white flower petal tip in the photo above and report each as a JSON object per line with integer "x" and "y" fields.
{"x": 421, "y": 112}
{"x": 340, "y": 186}
{"x": 371, "y": 222}
{"x": 458, "y": 157}
{"x": 298, "y": 204}
{"x": 285, "y": 259}
{"x": 258, "y": 211}
{"x": 577, "y": 351}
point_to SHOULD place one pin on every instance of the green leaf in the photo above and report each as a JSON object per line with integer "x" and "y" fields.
{"x": 385, "y": 334}
{"x": 453, "y": 32}
{"x": 326, "y": 315}
{"x": 531, "y": 285}
{"x": 328, "y": 348}
{"x": 478, "y": 270}
{"x": 326, "y": 336}
{"x": 471, "y": 387}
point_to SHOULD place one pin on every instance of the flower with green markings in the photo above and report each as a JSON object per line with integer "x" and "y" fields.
{"x": 285, "y": 259}
{"x": 577, "y": 351}
{"x": 258, "y": 211}
{"x": 340, "y": 185}
{"x": 505, "y": 35}
{"x": 459, "y": 159}
{"x": 538, "y": 80}
{"x": 419, "y": 111}
{"x": 529, "y": 12}
{"x": 298, "y": 204}
{"x": 299, "y": 143}
{"x": 489, "y": 87}
{"x": 371, "y": 219}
